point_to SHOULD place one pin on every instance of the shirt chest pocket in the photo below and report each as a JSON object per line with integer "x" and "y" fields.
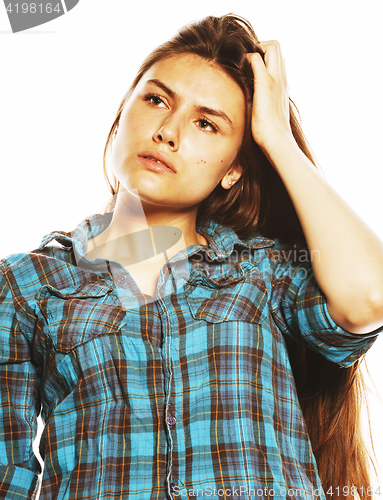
{"x": 71, "y": 318}
{"x": 231, "y": 296}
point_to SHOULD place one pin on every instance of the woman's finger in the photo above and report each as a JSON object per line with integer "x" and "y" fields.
{"x": 274, "y": 61}
{"x": 271, "y": 99}
{"x": 259, "y": 68}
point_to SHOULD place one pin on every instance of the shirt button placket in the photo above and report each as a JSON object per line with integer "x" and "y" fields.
{"x": 171, "y": 420}
{"x": 173, "y": 488}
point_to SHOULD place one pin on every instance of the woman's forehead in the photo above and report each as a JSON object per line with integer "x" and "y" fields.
{"x": 182, "y": 66}
{"x": 193, "y": 78}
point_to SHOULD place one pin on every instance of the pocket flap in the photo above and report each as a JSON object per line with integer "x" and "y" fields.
{"x": 75, "y": 317}
{"x": 232, "y": 296}
{"x": 88, "y": 289}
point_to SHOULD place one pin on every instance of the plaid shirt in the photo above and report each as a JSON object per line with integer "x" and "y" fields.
{"x": 190, "y": 394}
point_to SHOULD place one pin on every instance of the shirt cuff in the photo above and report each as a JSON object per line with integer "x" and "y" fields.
{"x": 335, "y": 343}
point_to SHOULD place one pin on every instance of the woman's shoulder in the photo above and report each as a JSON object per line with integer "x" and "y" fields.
{"x": 33, "y": 259}
{"x": 22, "y": 275}
{"x": 51, "y": 263}
{"x": 55, "y": 246}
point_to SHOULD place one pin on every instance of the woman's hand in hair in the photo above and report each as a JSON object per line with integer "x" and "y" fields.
{"x": 347, "y": 257}
{"x": 271, "y": 116}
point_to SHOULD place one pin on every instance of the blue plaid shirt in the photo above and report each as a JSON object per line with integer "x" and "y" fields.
{"x": 187, "y": 394}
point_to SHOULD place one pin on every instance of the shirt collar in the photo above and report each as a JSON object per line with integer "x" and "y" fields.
{"x": 221, "y": 239}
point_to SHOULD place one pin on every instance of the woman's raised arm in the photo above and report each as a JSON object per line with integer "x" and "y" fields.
{"x": 348, "y": 262}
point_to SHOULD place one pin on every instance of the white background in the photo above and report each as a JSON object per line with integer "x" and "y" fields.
{"x": 61, "y": 83}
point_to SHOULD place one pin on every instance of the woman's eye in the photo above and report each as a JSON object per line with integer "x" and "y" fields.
{"x": 206, "y": 125}
{"x": 155, "y": 100}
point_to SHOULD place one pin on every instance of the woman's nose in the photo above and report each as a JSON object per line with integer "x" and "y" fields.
{"x": 168, "y": 133}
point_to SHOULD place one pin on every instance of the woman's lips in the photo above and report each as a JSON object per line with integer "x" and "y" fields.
{"x": 157, "y": 162}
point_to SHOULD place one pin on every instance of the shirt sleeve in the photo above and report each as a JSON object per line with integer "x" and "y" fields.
{"x": 300, "y": 310}
{"x": 19, "y": 400}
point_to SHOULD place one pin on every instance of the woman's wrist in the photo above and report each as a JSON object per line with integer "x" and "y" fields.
{"x": 280, "y": 147}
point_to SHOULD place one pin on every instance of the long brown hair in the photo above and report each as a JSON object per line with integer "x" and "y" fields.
{"x": 330, "y": 396}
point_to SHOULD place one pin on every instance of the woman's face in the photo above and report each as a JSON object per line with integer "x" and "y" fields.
{"x": 179, "y": 133}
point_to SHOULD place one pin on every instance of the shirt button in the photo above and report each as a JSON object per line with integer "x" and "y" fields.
{"x": 171, "y": 420}
{"x": 172, "y": 487}
{"x": 121, "y": 279}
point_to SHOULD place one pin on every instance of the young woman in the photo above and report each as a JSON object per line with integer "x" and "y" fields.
{"x": 202, "y": 337}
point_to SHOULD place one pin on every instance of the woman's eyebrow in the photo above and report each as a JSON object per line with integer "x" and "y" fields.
{"x": 215, "y": 112}
{"x": 201, "y": 109}
{"x": 164, "y": 87}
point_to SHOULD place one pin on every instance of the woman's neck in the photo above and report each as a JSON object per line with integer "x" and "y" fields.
{"x": 140, "y": 230}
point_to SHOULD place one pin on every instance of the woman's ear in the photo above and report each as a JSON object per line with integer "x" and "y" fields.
{"x": 231, "y": 176}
